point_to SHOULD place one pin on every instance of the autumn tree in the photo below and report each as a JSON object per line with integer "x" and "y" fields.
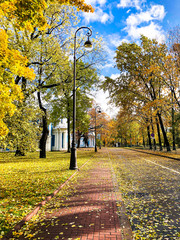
{"x": 29, "y": 13}
{"x": 37, "y": 39}
{"x": 84, "y": 103}
{"x": 11, "y": 63}
{"x": 87, "y": 78}
{"x": 24, "y": 129}
{"x": 141, "y": 82}
{"x": 173, "y": 79}
{"x": 44, "y": 57}
{"x": 28, "y": 20}
{"x": 102, "y": 121}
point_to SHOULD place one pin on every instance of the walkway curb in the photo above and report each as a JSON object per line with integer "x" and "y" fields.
{"x": 156, "y": 154}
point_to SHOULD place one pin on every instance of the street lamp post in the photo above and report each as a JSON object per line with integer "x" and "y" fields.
{"x": 73, "y": 161}
{"x": 99, "y": 111}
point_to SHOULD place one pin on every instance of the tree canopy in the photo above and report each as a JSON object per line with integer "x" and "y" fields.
{"x": 147, "y": 82}
{"x": 28, "y": 20}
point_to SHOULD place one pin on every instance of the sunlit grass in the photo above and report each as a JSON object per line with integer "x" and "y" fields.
{"x": 26, "y": 181}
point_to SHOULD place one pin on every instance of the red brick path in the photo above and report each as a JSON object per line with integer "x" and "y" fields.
{"x": 88, "y": 213}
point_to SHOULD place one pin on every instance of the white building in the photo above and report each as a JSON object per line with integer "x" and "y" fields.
{"x": 58, "y": 137}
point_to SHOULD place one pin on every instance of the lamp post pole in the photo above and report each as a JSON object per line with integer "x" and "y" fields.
{"x": 95, "y": 132}
{"x": 99, "y": 111}
{"x": 73, "y": 161}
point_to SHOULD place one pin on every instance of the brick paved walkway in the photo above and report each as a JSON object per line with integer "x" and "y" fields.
{"x": 89, "y": 212}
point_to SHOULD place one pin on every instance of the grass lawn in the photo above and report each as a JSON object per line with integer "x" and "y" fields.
{"x": 26, "y": 181}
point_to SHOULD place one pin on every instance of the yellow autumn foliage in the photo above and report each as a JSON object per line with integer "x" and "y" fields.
{"x": 6, "y": 107}
{"x": 11, "y": 63}
{"x": 27, "y": 14}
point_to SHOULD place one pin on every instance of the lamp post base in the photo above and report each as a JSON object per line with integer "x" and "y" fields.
{"x": 73, "y": 162}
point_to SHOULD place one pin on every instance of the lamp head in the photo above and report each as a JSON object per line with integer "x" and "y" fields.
{"x": 88, "y": 44}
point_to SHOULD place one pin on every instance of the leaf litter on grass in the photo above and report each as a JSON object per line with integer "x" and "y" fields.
{"x": 26, "y": 181}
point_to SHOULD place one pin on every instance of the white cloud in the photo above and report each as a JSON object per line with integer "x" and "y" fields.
{"x": 112, "y": 42}
{"x": 111, "y": 64}
{"x": 114, "y": 76}
{"x": 95, "y": 2}
{"x": 99, "y": 16}
{"x": 102, "y": 99}
{"x": 156, "y": 12}
{"x": 131, "y": 3}
{"x": 153, "y": 30}
{"x": 115, "y": 40}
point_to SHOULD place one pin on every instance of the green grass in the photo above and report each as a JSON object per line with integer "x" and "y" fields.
{"x": 26, "y": 181}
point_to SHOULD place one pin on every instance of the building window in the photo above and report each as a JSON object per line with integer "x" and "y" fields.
{"x": 61, "y": 120}
{"x": 62, "y": 140}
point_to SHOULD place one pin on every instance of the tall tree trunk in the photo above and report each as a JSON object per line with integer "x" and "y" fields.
{"x": 149, "y": 137}
{"x": 86, "y": 139}
{"x": 45, "y": 131}
{"x": 19, "y": 152}
{"x": 69, "y": 131}
{"x": 173, "y": 130}
{"x": 44, "y": 136}
{"x": 144, "y": 144}
{"x": 166, "y": 142}
{"x": 23, "y": 85}
{"x": 159, "y": 135}
{"x": 79, "y": 138}
{"x": 154, "y": 140}
{"x": 125, "y": 142}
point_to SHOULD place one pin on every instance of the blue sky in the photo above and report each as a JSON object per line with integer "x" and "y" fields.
{"x": 126, "y": 20}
